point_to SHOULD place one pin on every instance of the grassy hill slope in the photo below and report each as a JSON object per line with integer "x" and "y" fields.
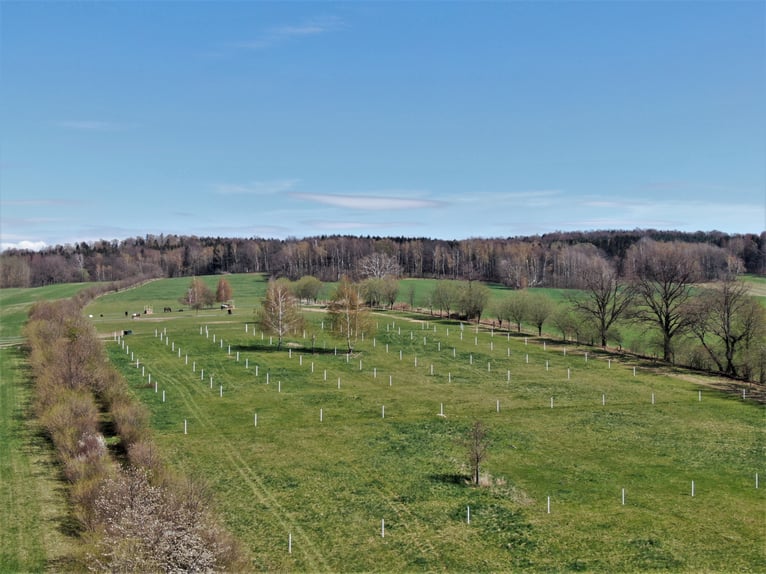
{"x": 322, "y": 462}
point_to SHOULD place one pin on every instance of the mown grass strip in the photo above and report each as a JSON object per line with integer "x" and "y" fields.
{"x": 35, "y": 527}
{"x": 33, "y": 512}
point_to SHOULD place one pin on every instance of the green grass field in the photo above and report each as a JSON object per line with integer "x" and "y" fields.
{"x": 757, "y": 286}
{"x": 35, "y": 533}
{"x": 342, "y": 445}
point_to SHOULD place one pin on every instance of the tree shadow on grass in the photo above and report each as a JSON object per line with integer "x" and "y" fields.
{"x": 451, "y": 478}
{"x": 284, "y": 349}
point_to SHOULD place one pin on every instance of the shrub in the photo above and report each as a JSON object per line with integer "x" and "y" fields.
{"x": 145, "y": 455}
{"x": 130, "y": 421}
{"x": 73, "y": 416}
{"x": 148, "y": 528}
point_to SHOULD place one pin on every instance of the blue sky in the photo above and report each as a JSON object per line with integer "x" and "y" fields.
{"x": 423, "y": 119}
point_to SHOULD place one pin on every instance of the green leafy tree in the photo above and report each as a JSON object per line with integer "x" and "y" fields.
{"x": 307, "y": 288}
{"x": 539, "y": 309}
{"x": 514, "y": 308}
{"x": 473, "y": 299}
{"x": 411, "y": 295}
{"x": 565, "y": 320}
{"x": 445, "y": 295}
{"x": 390, "y": 290}
{"x": 372, "y": 290}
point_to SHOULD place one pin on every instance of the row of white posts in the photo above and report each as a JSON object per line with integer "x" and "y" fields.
{"x": 162, "y": 336}
{"x": 468, "y": 513}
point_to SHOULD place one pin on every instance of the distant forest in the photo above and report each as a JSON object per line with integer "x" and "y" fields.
{"x": 549, "y": 260}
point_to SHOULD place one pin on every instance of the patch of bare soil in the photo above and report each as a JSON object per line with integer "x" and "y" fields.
{"x": 753, "y": 391}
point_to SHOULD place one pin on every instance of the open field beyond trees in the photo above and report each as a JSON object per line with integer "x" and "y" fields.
{"x": 326, "y": 462}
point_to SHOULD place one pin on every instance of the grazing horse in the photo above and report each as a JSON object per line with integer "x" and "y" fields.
{"x": 167, "y": 310}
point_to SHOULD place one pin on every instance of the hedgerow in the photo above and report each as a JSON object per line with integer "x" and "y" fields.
{"x": 134, "y": 514}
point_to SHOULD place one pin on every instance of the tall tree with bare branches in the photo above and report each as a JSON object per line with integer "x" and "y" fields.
{"x": 198, "y": 295}
{"x": 280, "y": 313}
{"x": 477, "y": 444}
{"x": 663, "y": 275}
{"x": 348, "y": 316}
{"x": 378, "y": 265}
{"x": 728, "y": 322}
{"x": 604, "y": 298}
{"x": 223, "y": 291}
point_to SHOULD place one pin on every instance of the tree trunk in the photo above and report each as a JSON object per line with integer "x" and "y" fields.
{"x": 667, "y": 350}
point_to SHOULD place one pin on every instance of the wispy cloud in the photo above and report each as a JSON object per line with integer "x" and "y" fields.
{"x": 24, "y": 244}
{"x": 527, "y": 195}
{"x": 257, "y": 187}
{"x": 368, "y": 202}
{"x": 686, "y": 215}
{"x": 282, "y": 34}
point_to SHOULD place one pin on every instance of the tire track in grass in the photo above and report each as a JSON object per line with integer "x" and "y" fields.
{"x": 315, "y": 560}
{"x": 424, "y": 546}
{"x": 32, "y": 504}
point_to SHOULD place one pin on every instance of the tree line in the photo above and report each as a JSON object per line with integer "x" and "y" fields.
{"x": 691, "y": 309}
{"x": 549, "y": 260}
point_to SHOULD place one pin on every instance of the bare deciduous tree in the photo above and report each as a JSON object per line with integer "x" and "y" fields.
{"x": 728, "y": 322}
{"x": 379, "y": 265}
{"x": 348, "y": 316}
{"x": 280, "y": 312}
{"x": 604, "y": 299}
{"x": 223, "y": 291}
{"x": 663, "y": 275}
{"x": 198, "y": 295}
{"x": 477, "y": 444}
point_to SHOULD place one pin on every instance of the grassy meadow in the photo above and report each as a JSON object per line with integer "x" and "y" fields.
{"x": 757, "y": 286}
{"x": 323, "y": 462}
{"x": 34, "y": 524}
